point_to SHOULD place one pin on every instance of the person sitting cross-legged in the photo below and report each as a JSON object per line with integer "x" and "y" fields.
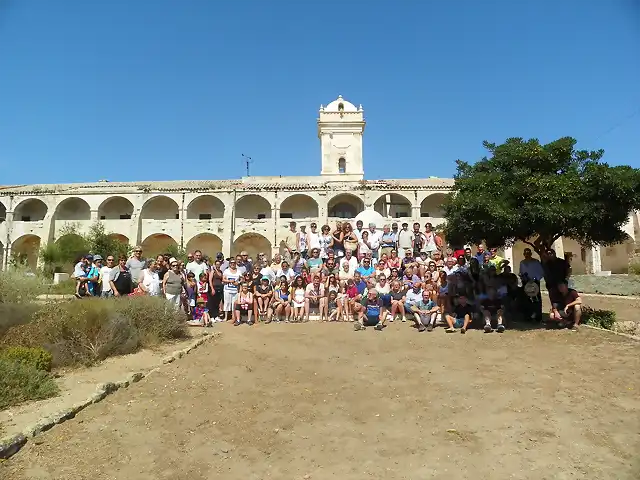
{"x": 371, "y": 312}
{"x": 425, "y": 312}
{"x": 492, "y": 309}
{"x": 314, "y": 296}
{"x": 461, "y": 316}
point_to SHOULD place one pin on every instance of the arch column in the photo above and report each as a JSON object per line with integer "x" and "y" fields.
{"x": 228, "y": 229}
{"x": 323, "y": 209}
{"x": 95, "y": 216}
{"x": 508, "y": 255}
{"x": 594, "y": 261}
{"x": 558, "y": 247}
{"x": 415, "y": 212}
{"x": 275, "y": 217}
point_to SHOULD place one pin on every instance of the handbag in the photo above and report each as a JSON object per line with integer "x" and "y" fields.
{"x": 137, "y": 292}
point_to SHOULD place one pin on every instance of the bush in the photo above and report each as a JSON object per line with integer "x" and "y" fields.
{"x": 12, "y": 314}
{"x": 599, "y": 318}
{"x": 17, "y": 285}
{"x": 20, "y": 382}
{"x": 634, "y": 265}
{"x": 37, "y": 358}
{"x": 93, "y": 329}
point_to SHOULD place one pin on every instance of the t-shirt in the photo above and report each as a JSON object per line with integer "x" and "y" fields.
{"x": 104, "y": 278}
{"x": 135, "y": 266}
{"x": 405, "y": 237}
{"x": 79, "y": 270}
{"x": 413, "y": 297}
{"x": 312, "y": 288}
{"x": 173, "y": 285}
{"x": 460, "y": 311}
{"x": 563, "y": 300}
{"x": 196, "y": 268}
{"x": 93, "y": 286}
{"x": 229, "y": 275}
{"x": 289, "y": 274}
{"x": 365, "y": 272}
{"x": 497, "y": 262}
{"x": 428, "y": 305}
{"x": 361, "y": 286}
{"x": 314, "y": 264}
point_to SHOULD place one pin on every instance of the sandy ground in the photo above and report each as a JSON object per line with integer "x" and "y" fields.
{"x": 319, "y": 401}
{"x": 78, "y": 384}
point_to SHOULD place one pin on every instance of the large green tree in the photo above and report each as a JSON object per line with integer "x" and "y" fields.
{"x": 538, "y": 193}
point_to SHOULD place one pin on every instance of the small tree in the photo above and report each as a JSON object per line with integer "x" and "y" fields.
{"x": 538, "y": 193}
{"x": 100, "y": 242}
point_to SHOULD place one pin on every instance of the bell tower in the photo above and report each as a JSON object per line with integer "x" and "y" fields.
{"x": 340, "y": 128}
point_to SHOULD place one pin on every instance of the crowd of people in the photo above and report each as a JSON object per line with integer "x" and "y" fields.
{"x": 365, "y": 276}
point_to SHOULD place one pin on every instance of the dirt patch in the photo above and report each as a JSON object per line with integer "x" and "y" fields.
{"x": 319, "y": 401}
{"x": 78, "y": 384}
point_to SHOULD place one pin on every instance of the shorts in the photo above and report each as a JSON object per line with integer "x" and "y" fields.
{"x": 241, "y": 309}
{"x": 459, "y": 323}
{"x": 386, "y": 300}
{"x": 371, "y": 321}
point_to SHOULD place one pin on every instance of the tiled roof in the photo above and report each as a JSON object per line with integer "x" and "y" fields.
{"x": 225, "y": 185}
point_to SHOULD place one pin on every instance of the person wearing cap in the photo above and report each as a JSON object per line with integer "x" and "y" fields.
{"x": 313, "y": 237}
{"x": 93, "y": 277}
{"x": 371, "y": 312}
{"x": 80, "y": 272}
{"x": 404, "y": 240}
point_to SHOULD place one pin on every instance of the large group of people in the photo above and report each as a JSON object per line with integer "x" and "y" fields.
{"x": 365, "y": 276}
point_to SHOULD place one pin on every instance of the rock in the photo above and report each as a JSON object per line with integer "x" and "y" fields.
{"x": 42, "y": 425}
{"x": 107, "y": 388}
{"x": 169, "y": 359}
{"x": 11, "y": 445}
{"x": 135, "y": 377}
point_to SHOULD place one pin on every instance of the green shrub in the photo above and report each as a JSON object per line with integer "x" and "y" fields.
{"x": 634, "y": 265}
{"x": 12, "y": 314}
{"x": 18, "y": 285}
{"x": 20, "y": 382}
{"x": 83, "y": 332}
{"x": 599, "y": 318}
{"x": 38, "y": 358}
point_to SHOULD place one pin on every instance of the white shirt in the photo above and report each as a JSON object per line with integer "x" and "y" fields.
{"x": 412, "y": 297}
{"x": 374, "y": 239}
{"x": 268, "y": 272}
{"x": 151, "y": 282}
{"x": 358, "y": 233}
{"x": 196, "y": 268}
{"x": 104, "y": 278}
{"x": 450, "y": 271}
{"x": 290, "y": 274}
{"x": 353, "y": 264}
{"x": 313, "y": 239}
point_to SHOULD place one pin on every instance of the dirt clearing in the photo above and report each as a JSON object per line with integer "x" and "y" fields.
{"x": 319, "y": 401}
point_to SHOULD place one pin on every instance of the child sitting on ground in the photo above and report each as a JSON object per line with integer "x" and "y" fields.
{"x": 334, "y": 307}
{"x": 201, "y": 317}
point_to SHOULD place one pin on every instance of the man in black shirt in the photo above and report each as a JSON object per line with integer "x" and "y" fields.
{"x": 461, "y": 316}
{"x": 556, "y": 270}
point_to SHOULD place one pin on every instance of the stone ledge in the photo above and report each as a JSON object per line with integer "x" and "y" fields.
{"x": 11, "y": 445}
{"x": 626, "y": 335}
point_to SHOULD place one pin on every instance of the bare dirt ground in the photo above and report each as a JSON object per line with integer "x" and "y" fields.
{"x": 319, "y": 401}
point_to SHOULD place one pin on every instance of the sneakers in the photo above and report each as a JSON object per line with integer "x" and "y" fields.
{"x": 250, "y": 322}
{"x": 357, "y": 326}
{"x": 500, "y": 328}
{"x": 450, "y": 330}
{"x": 404, "y": 319}
{"x": 463, "y": 330}
{"x": 430, "y": 328}
{"x": 236, "y": 323}
{"x": 379, "y": 327}
{"x": 488, "y": 329}
{"x": 421, "y": 327}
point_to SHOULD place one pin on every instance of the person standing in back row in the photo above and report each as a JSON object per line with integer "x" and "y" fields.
{"x": 404, "y": 240}
{"x": 135, "y": 264}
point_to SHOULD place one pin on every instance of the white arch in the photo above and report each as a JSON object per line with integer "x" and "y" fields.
{"x": 299, "y": 205}
{"x": 30, "y": 210}
{"x": 393, "y": 205}
{"x": 252, "y": 206}
{"x": 73, "y": 208}
{"x": 159, "y": 207}
{"x": 253, "y": 243}
{"x": 115, "y": 208}
{"x": 156, "y": 243}
{"x": 345, "y": 205}
{"x": 25, "y": 249}
{"x": 208, "y": 243}
{"x": 431, "y": 206}
{"x": 208, "y": 206}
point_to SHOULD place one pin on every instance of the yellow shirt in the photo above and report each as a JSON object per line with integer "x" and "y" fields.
{"x": 289, "y": 239}
{"x": 497, "y": 262}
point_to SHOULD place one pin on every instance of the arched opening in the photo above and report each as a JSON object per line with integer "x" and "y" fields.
{"x": 72, "y": 246}
{"x": 431, "y": 206}
{"x": 121, "y": 238}
{"x": 253, "y": 243}
{"x": 115, "y": 208}
{"x": 299, "y": 206}
{"x": 156, "y": 244}
{"x": 3, "y": 214}
{"x": 253, "y": 207}
{"x": 24, "y": 251}
{"x": 345, "y": 205}
{"x": 577, "y": 255}
{"x": 73, "y": 209}
{"x": 205, "y": 207}
{"x": 159, "y": 208}
{"x": 615, "y": 258}
{"x": 30, "y": 210}
{"x": 342, "y": 165}
{"x": 393, "y": 205}
{"x": 208, "y": 243}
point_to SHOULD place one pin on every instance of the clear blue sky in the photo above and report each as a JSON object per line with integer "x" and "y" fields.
{"x": 158, "y": 89}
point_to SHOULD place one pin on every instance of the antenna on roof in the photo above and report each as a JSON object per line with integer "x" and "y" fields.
{"x": 247, "y": 161}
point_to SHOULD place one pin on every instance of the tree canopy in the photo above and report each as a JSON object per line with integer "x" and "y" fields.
{"x": 538, "y": 193}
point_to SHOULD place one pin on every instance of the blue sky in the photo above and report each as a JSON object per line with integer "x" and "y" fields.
{"x": 161, "y": 90}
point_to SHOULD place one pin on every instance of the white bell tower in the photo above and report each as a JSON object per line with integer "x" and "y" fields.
{"x": 340, "y": 128}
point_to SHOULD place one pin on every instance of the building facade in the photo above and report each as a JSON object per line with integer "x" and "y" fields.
{"x": 251, "y": 213}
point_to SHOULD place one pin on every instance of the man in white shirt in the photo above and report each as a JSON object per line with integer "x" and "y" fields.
{"x": 286, "y": 271}
{"x": 267, "y": 271}
{"x": 405, "y": 240}
{"x": 349, "y": 259}
{"x": 374, "y": 239}
{"x": 358, "y": 230}
{"x": 104, "y": 277}
{"x": 290, "y": 240}
{"x": 450, "y": 266}
{"x": 197, "y": 266}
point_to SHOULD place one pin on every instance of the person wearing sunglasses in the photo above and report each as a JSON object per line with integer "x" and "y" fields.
{"x": 136, "y": 265}
{"x": 105, "y": 271}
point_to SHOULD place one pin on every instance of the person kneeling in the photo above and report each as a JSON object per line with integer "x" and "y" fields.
{"x": 461, "y": 318}
{"x": 492, "y": 308}
{"x": 425, "y": 312}
{"x": 244, "y": 306}
{"x": 371, "y": 312}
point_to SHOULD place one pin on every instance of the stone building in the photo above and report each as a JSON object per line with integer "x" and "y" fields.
{"x": 251, "y": 213}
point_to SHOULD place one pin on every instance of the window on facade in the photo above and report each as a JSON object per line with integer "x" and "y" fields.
{"x": 424, "y": 214}
{"x": 262, "y": 216}
{"x": 583, "y": 254}
{"x": 401, "y": 214}
{"x": 286, "y": 215}
{"x": 204, "y": 216}
{"x": 103, "y": 217}
{"x": 26, "y": 218}
{"x": 341, "y": 107}
{"x": 177, "y": 216}
{"x": 125, "y": 216}
{"x": 342, "y": 165}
